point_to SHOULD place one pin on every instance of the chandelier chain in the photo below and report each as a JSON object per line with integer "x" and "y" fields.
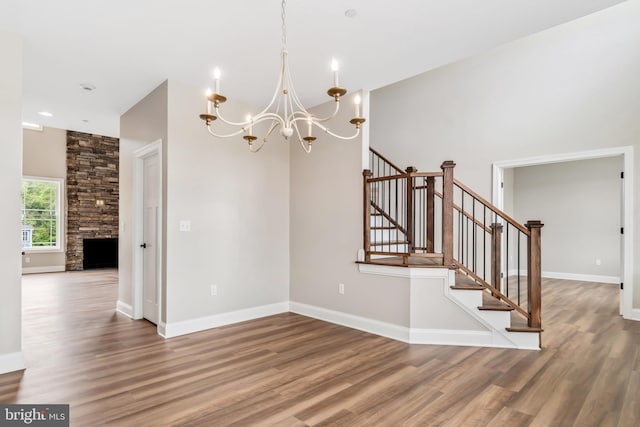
{"x": 284, "y": 25}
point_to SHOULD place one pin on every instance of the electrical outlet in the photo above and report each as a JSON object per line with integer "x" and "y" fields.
{"x": 185, "y": 225}
{"x": 214, "y": 290}
{"x": 598, "y": 262}
{"x": 341, "y": 288}
{"x": 27, "y": 260}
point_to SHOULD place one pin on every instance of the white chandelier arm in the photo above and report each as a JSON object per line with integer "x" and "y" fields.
{"x": 303, "y": 110}
{"x": 264, "y": 111}
{"x": 255, "y": 150}
{"x": 224, "y": 136}
{"x": 300, "y": 116}
{"x": 301, "y": 107}
{"x": 327, "y": 131}
{"x": 274, "y": 125}
{"x": 307, "y": 149}
{"x": 291, "y": 88}
{"x": 329, "y": 117}
{"x": 265, "y": 138}
{"x": 268, "y": 116}
{"x": 278, "y": 86}
{"x": 229, "y": 122}
{"x": 295, "y": 127}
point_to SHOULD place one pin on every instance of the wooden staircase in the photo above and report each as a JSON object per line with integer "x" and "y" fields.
{"x": 430, "y": 220}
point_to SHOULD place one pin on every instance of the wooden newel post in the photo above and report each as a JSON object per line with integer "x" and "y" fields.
{"x": 430, "y": 210}
{"x": 534, "y": 279}
{"x": 447, "y": 212}
{"x": 366, "y": 214}
{"x": 410, "y": 185}
{"x": 496, "y": 255}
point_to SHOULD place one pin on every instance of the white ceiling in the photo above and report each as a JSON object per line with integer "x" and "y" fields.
{"x": 126, "y": 48}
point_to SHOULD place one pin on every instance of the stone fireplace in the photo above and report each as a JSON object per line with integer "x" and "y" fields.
{"x": 92, "y": 193}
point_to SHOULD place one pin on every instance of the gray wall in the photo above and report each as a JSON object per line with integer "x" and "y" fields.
{"x": 326, "y": 229}
{"x": 579, "y": 203}
{"x": 11, "y": 166}
{"x": 237, "y": 203}
{"x": 326, "y": 234}
{"x": 45, "y": 155}
{"x": 143, "y": 124}
{"x": 568, "y": 89}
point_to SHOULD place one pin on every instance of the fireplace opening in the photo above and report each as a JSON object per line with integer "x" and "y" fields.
{"x": 100, "y": 253}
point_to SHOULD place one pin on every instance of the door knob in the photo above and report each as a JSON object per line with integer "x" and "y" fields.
{"x": 143, "y": 246}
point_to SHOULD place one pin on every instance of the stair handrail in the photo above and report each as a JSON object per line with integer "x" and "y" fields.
{"x": 534, "y": 276}
{"x": 491, "y": 207}
{"x": 494, "y": 229}
{"x": 375, "y": 158}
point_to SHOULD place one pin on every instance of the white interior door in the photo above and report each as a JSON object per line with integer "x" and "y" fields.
{"x": 150, "y": 257}
{"x": 622, "y": 210}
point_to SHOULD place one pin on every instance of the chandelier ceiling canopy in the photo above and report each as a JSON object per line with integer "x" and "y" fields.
{"x": 285, "y": 111}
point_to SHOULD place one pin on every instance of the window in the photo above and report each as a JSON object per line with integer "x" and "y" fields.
{"x": 41, "y": 213}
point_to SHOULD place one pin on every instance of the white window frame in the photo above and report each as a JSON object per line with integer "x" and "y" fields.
{"x": 60, "y": 214}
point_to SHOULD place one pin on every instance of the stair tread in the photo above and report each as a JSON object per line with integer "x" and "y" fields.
{"x": 495, "y": 307}
{"x": 465, "y": 282}
{"x": 524, "y": 329}
{"x": 489, "y": 302}
{"x": 519, "y": 324}
{"x": 412, "y": 261}
{"x": 468, "y": 287}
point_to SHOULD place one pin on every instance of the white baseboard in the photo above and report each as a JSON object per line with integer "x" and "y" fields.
{"x": 401, "y": 333}
{"x": 162, "y": 329}
{"x": 582, "y": 277}
{"x": 572, "y": 276}
{"x": 11, "y": 362}
{"x": 389, "y": 330}
{"x": 174, "y": 329}
{"x": 635, "y": 314}
{"x": 43, "y": 269}
{"x": 451, "y": 337}
{"x": 124, "y": 308}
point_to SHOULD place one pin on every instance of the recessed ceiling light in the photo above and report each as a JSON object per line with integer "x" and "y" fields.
{"x": 32, "y": 126}
{"x": 45, "y": 114}
{"x": 87, "y": 86}
{"x": 350, "y": 13}
{"x": 85, "y": 120}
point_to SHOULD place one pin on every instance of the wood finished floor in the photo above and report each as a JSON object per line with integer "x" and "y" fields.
{"x": 289, "y": 370}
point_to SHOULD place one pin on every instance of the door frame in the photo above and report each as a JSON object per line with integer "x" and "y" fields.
{"x": 154, "y": 148}
{"x": 626, "y": 295}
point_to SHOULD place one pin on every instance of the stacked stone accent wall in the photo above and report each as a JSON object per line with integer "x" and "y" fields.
{"x": 92, "y": 175}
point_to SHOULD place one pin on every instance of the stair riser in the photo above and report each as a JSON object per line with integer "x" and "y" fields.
{"x": 497, "y": 319}
{"x": 470, "y": 299}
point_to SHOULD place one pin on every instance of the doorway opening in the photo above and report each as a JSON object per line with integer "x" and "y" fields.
{"x": 626, "y": 208}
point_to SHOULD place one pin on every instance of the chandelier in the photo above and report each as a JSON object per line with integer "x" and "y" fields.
{"x": 285, "y": 111}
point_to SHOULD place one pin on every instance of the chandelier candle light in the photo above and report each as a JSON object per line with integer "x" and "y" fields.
{"x": 284, "y": 111}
